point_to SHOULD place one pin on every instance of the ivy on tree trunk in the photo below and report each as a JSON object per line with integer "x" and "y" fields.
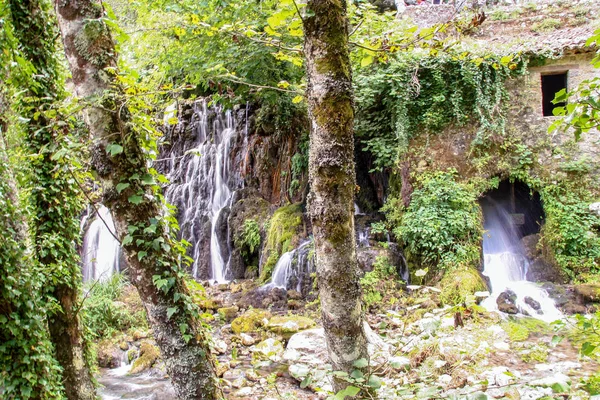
{"x": 54, "y": 198}
{"x": 130, "y": 192}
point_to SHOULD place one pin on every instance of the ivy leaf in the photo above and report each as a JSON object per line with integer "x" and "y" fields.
{"x": 171, "y": 311}
{"x": 349, "y": 391}
{"x": 141, "y": 255}
{"x": 366, "y": 61}
{"x": 297, "y": 99}
{"x": 360, "y": 363}
{"x": 127, "y": 240}
{"x": 135, "y": 199}
{"x": 122, "y": 186}
{"x": 587, "y": 348}
{"x": 147, "y": 179}
{"x": 374, "y": 382}
{"x": 305, "y": 382}
{"x": 113, "y": 149}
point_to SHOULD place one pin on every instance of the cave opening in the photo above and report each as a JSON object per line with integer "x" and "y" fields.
{"x": 523, "y": 205}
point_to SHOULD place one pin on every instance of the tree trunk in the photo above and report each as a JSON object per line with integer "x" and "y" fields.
{"x": 55, "y": 200}
{"x": 332, "y": 178}
{"x": 118, "y": 159}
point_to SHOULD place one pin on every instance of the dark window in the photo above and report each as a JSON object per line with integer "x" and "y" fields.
{"x": 552, "y": 84}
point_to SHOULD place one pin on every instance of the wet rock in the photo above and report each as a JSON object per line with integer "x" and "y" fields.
{"x": 223, "y": 287}
{"x": 289, "y": 325}
{"x": 228, "y": 313}
{"x": 109, "y": 355}
{"x": 271, "y": 349}
{"x": 480, "y": 296}
{"x": 595, "y": 209}
{"x": 532, "y": 303}
{"x": 132, "y": 355}
{"x": 294, "y": 295}
{"x": 250, "y": 321}
{"x": 542, "y": 270}
{"x": 530, "y": 245}
{"x": 149, "y": 353}
{"x": 124, "y": 345}
{"x": 506, "y": 302}
{"x": 295, "y": 304}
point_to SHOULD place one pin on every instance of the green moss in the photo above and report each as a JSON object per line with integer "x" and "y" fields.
{"x": 519, "y": 330}
{"x": 377, "y": 283}
{"x": 457, "y": 284}
{"x": 536, "y": 354}
{"x": 283, "y": 229}
{"x": 288, "y": 325}
{"x": 250, "y": 321}
{"x": 149, "y": 353}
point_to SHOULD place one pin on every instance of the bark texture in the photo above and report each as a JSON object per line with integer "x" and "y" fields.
{"x": 91, "y": 55}
{"x": 332, "y": 179}
{"x": 54, "y": 198}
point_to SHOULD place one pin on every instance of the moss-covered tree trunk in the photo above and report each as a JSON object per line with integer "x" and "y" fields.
{"x": 332, "y": 179}
{"x": 119, "y": 161}
{"x": 54, "y": 197}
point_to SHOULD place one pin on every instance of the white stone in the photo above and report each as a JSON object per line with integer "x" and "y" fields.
{"x": 220, "y": 346}
{"x": 551, "y": 380}
{"x": 247, "y": 340}
{"x": 270, "y": 348}
{"x": 502, "y": 346}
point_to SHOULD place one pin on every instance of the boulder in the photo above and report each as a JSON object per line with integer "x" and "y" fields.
{"x": 530, "y": 245}
{"x": 228, "y": 313}
{"x": 149, "y": 353}
{"x": 532, "y": 303}
{"x": 246, "y": 339}
{"x": 108, "y": 355}
{"x": 507, "y": 302}
{"x": 270, "y": 349}
{"x": 286, "y": 326}
{"x": 250, "y": 321}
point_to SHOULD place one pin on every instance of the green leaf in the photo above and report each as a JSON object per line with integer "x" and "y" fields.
{"x": 297, "y": 99}
{"x": 122, "y": 186}
{"x": 556, "y": 340}
{"x": 171, "y": 311}
{"x": 127, "y": 240}
{"x": 141, "y": 255}
{"x": 374, "y": 382}
{"x": 113, "y": 149}
{"x": 305, "y": 382}
{"x": 366, "y": 61}
{"x": 135, "y": 199}
{"x": 587, "y": 348}
{"x": 360, "y": 363}
{"x": 349, "y": 391}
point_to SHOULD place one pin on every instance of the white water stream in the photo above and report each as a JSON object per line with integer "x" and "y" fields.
{"x": 295, "y": 265}
{"x": 505, "y": 264}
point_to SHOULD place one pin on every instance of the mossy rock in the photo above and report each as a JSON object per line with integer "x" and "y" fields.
{"x": 589, "y": 292}
{"x": 282, "y": 236}
{"x": 149, "y": 353}
{"x": 457, "y": 284}
{"x": 228, "y": 313}
{"x": 250, "y": 321}
{"x": 286, "y": 326}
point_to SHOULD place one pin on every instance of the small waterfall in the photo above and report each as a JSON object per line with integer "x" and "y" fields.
{"x": 293, "y": 269}
{"x": 201, "y": 176}
{"x": 101, "y": 251}
{"x": 505, "y": 264}
{"x": 363, "y": 237}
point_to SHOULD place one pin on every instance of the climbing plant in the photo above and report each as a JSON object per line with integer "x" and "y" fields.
{"x": 415, "y": 94}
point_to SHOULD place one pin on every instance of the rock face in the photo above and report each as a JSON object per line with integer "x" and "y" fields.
{"x": 541, "y": 267}
{"x": 250, "y": 321}
{"x": 286, "y": 326}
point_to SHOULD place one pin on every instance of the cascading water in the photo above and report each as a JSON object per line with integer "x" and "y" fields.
{"x": 101, "y": 251}
{"x": 201, "y": 177}
{"x": 505, "y": 264}
{"x": 293, "y": 269}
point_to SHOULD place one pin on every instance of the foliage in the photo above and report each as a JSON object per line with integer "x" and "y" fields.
{"x": 299, "y": 164}
{"x": 104, "y": 311}
{"x": 283, "y": 227}
{"x": 249, "y": 240}
{"x": 519, "y": 330}
{"x": 581, "y": 113}
{"x": 375, "y": 283}
{"x": 413, "y": 94}
{"x": 570, "y": 230}
{"x": 442, "y": 226}
{"x": 28, "y": 369}
{"x": 592, "y": 384}
{"x": 586, "y": 334}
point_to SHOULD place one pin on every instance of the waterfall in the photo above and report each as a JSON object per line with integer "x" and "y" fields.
{"x": 505, "y": 264}
{"x": 200, "y": 175}
{"x": 293, "y": 269}
{"x": 101, "y": 251}
{"x": 363, "y": 236}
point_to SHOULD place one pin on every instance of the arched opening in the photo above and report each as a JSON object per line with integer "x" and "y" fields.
{"x": 521, "y": 203}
